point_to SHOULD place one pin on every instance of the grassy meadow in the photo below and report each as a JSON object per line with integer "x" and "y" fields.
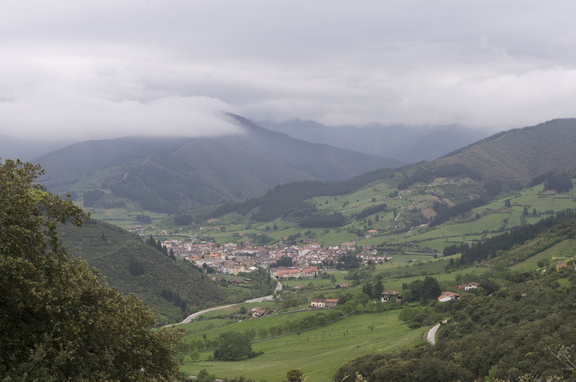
{"x": 318, "y": 352}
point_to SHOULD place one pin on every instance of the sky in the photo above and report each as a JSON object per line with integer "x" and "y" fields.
{"x": 107, "y": 68}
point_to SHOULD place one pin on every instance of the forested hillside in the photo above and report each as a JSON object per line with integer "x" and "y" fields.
{"x": 167, "y": 174}
{"x": 524, "y": 331}
{"x": 135, "y": 267}
{"x": 503, "y": 162}
{"x": 515, "y": 157}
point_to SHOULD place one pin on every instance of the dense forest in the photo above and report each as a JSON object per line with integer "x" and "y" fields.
{"x": 524, "y": 330}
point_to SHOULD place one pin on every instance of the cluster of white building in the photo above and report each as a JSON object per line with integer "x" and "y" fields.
{"x": 234, "y": 258}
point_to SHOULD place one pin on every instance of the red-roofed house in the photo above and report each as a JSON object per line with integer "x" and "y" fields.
{"x": 468, "y": 286}
{"x": 448, "y": 296}
{"x": 324, "y": 302}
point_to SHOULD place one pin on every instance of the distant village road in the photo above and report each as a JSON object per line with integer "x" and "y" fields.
{"x": 432, "y": 332}
{"x": 259, "y": 299}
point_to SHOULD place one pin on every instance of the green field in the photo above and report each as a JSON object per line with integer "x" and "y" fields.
{"x": 318, "y": 352}
{"x": 566, "y": 248}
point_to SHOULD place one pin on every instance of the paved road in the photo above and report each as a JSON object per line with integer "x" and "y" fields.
{"x": 432, "y": 332}
{"x": 259, "y": 299}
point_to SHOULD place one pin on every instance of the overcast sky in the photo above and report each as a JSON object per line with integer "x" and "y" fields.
{"x": 104, "y": 68}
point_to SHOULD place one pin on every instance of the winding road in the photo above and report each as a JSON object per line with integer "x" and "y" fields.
{"x": 259, "y": 299}
{"x": 432, "y": 332}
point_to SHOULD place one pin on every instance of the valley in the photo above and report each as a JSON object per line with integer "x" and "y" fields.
{"x": 368, "y": 263}
{"x": 297, "y": 191}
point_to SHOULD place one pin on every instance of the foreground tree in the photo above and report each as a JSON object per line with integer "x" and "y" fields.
{"x": 58, "y": 321}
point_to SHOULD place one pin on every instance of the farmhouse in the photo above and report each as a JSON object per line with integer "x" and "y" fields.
{"x": 258, "y": 312}
{"x": 468, "y": 286}
{"x": 323, "y": 302}
{"x": 448, "y": 296}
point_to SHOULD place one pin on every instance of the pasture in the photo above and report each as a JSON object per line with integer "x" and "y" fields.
{"x": 318, "y": 352}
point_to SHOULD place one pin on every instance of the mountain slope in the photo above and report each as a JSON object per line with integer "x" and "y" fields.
{"x": 135, "y": 267}
{"x": 442, "y": 188}
{"x": 408, "y": 144}
{"x": 515, "y": 157}
{"x": 166, "y": 174}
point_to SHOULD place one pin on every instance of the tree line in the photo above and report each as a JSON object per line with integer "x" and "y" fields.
{"x": 445, "y": 212}
{"x": 490, "y": 247}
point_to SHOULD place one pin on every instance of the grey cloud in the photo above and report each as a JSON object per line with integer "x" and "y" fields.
{"x": 104, "y": 68}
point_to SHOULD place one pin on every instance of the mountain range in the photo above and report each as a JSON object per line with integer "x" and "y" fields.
{"x": 408, "y": 144}
{"x": 503, "y": 162}
{"x": 171, "y": 173}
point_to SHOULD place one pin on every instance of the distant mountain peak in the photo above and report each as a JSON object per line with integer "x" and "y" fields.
{"x": 166, "y": 174}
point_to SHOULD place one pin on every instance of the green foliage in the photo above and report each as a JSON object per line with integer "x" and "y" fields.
{"x": 422, "y": 290}
{"x": 430, "y": 289}
{"x": 417, "y": 175}
{"x": 348, "y": 261}
{"x": 517, "y": 333}
{"x": 183, "y": 219}
{"x": 378, "y": 289}
{"x": 123, "y": 256}
{"x": 295, "y": 375}
{"x": 136, "y": 268}
{"x": 148, "y": 199}
{"x": 457, "y": 169}
{"x": 510, "y": 157}
{"x": 323, "y": 221}
{"x": 408, "y": 313}
{"x": 58, "y": 321}
{"x": 233, "y": 346}
{"x": 493, "y": 187}
{"x": 317, "y": 352}
{"x": 540, "y": 178}
{"x": 371, "y": 211}
{"x": 505, "y": 241}
{"x": 559, "y": 183}
{"x": 284, "y": 261}
{"x": 444, "y": 212}
{"x": 144, "y": 219}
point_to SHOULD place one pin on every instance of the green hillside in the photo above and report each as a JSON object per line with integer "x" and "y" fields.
{"x": 524, "y": 302}
{"x": 170, "y": 174}
{"x": 134, "y": 267}
{"x": 395, "y": 222}
{"x": 427, "y": 206}
{"x": 513, "y": 158}
{"x": 317, "y": 352}
{"x": 521, "y": 331}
